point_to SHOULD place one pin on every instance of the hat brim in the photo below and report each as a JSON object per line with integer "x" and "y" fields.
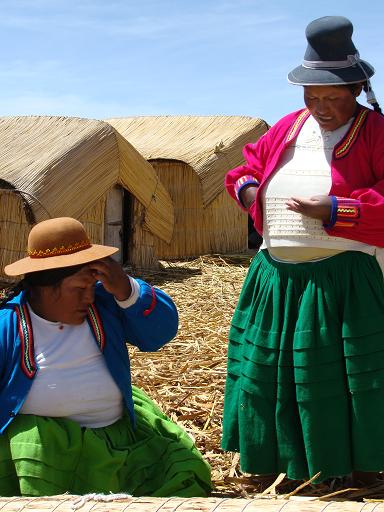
{"x": 342, "y": 76}
{"x": 28, "y": 264}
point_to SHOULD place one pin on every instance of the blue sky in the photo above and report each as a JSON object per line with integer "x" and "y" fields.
{"x": 115, "y": 58}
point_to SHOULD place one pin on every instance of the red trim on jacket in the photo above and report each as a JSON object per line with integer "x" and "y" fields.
{"x": 153, "y": 303}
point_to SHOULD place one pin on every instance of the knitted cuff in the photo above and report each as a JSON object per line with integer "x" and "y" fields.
{"x": 345, "y": 212}
{"x": 332, "y": 219}
{"x": 241, "y": 183}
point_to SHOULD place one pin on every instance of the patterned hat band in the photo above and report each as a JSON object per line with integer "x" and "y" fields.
{"x": 60, "y": 251}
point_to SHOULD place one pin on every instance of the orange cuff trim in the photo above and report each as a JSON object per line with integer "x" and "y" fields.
{"x": 348, "y": 212}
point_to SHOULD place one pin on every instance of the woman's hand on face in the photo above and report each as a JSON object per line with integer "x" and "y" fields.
{"x": 112, "y": 276}
{"x": 316, "y": 207}
{"x": 248, "y": 195}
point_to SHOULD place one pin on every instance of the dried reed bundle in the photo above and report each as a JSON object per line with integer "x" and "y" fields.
{"x": 210, "y": 145}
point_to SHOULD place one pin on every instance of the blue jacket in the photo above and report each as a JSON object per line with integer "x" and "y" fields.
{"x": 148, "y": 324}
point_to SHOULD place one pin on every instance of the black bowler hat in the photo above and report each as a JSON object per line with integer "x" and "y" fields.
{"x": 331, "y": 57}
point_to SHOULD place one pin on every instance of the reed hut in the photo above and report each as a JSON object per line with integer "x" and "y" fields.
{"x": 191, "y": 156}
{"x": 59, "y": 166}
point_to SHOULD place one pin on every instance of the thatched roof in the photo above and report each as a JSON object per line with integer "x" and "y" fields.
{"x": 64, "y": 165}
{"x": 211, "y": 145}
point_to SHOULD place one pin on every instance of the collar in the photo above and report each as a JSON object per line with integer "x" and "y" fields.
{"x": 24, "y": 326}
{"x": 343, "y": 148}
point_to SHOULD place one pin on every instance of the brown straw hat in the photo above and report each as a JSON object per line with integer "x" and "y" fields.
{"x": 57, "y": 243}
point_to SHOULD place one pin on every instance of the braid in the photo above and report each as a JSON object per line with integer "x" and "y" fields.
{"x": 375, "y": 104}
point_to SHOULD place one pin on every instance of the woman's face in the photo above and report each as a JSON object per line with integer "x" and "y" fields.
{"x": 68, "y": 302}
{"x": 331, "y": 106}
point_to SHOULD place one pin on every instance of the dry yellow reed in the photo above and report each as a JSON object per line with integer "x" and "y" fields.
{"x": 138, "y": 176}
{"x": 219, "y": 227}
{"x": 66, "y": 163}
{"x": 209, "y": 144}
{"x": 66, "y": 166}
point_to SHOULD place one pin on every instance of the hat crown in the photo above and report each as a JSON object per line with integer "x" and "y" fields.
{"x": 329, "y": 39}
{"x": 57, "y": 236}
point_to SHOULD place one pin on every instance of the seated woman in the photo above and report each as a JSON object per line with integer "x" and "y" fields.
{"x": 70, "y": 420}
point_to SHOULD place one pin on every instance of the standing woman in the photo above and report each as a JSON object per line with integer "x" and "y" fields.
{"x": 305, "y": 382}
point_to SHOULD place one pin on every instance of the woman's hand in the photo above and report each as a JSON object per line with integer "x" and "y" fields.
{"x": 316, "y": 207}
{"x": 112, "y": 276}
{"x": 248, "y": 195}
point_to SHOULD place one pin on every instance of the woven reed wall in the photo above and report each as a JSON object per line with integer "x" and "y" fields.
{"x": 125, "y": 504}
{"x": 14, "y": 230}
{"x": 227, "y": 225}
{"x": 93, "y": 220}
{"x": 220, "y": 227}
{"x": 66, "y": 163}
{"x": 66, "y": 166}
{"x": 141, "y": 249}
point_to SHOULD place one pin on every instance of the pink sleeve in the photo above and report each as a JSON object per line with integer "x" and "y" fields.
{"x": 255, "y": 158}
{"x": 361, "y": 215}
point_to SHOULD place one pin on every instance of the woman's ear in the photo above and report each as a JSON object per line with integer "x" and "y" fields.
{"x": 357, "y": 90}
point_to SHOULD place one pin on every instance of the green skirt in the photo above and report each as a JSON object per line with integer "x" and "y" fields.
{"x": 42, "y": 456}
{"x": 305, "y": 381}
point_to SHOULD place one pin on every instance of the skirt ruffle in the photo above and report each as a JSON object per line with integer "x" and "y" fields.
{"x": 305, "y": 382}
{"x": 42, "y": 456}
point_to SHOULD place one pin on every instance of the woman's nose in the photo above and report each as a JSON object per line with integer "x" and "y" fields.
{"x": 321, "y": 107}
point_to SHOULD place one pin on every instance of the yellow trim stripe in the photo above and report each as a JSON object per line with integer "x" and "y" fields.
{"x": 352, "y": 135}
{"x": 297, "y": 124}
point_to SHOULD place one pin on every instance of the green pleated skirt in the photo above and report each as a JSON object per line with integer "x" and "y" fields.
{"x": 305, "y": 381}
{"x": 42, "y": 456}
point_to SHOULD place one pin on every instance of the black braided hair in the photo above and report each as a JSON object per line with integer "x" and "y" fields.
{"x": 375, "y": 104}
{"x": 52, "y": 277}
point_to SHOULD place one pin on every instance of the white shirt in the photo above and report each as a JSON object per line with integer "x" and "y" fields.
{"x": 304, "y": 171}
{"x": 73, "y": 380}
